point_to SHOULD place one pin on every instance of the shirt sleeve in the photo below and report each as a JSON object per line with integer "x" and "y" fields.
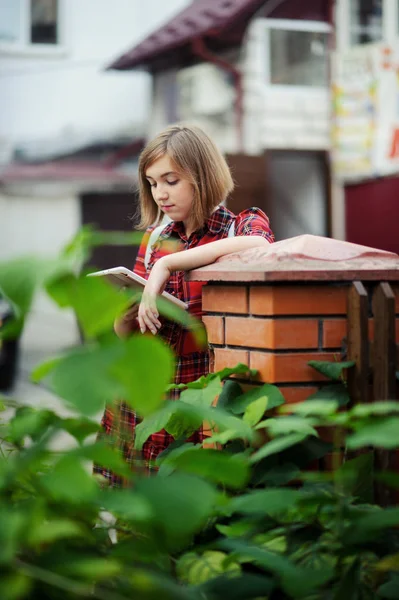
{"x": 254, "y": 221}
{"x": 139, "y": 266}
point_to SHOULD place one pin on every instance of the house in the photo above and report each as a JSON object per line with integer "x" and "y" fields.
{"x": 70, "y": 132}
{"x": 260, "y": 76}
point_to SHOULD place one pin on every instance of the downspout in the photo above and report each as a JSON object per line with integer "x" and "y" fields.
{"x": 202, "y": 51}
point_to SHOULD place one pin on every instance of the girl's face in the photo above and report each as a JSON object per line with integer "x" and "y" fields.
{"x": 172, "y": 192}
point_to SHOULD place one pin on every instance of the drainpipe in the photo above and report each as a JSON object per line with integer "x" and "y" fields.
{"x": 202, "y": 51}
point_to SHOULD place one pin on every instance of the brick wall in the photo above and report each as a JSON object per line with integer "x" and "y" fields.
{"x": 277, "y": 328}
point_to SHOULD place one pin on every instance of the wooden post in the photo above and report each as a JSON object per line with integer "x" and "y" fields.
{"x": 358, "y": 344}
{"x": 384, "y": 383}
{"x": 384, "y": 343}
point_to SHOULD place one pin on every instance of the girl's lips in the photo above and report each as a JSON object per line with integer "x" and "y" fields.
{"x": 167, "y": 207}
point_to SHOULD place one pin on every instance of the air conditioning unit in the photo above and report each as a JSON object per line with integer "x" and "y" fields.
{"x": 204, "y": 90}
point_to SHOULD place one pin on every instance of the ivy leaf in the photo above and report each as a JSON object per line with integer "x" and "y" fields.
{"x": 264, "y": 502}
{"x": 383, "y": 433}
{"x": 277, "y": 445}
{"x": 213, "y": 465}
{"x": 336, "y": 392}
{"x": 255, "y": 411}
{"x": 274, "y": 398}
{"x": 332, "y": 370}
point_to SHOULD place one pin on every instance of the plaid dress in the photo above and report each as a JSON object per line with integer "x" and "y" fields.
{"x": 119, "y": 421}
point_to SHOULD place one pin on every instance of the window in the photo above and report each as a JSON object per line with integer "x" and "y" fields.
{"x": 43, "y": 21}
{"x": 365, "y": 21}
{"x": 298, "y": 58}
{"x": 30, "y": 23}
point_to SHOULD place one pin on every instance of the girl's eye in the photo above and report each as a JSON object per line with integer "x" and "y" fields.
{"x": 173, "y": 182}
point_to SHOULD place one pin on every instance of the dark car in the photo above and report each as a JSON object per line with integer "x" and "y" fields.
{"x": 9, "y": 349}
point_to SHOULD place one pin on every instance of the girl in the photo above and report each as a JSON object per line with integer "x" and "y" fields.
{"x": 182, "y": 175}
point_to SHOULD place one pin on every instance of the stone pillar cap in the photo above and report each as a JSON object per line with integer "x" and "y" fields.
{"x": 303, "y": 258}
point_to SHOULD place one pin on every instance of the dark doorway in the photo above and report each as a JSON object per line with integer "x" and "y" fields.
{"x": 249, "y": 174}
{"x": 110, "y": 211}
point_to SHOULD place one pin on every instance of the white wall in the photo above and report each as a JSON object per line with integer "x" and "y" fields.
{"x": 41, "y": 227}
{"x": 48, "y": 94}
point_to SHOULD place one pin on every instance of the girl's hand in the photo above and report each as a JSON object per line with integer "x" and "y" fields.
{"x": 148, "y": 316}
{"x": 126, "y": 324}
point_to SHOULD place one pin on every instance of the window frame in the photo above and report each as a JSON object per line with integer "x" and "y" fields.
{"x": 390, "y": 24}
{"x": 289, "y": 25}
{"x": 23, "y": 45}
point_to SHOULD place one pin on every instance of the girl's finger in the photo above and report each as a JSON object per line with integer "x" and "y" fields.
{"x": 148, "y": 323}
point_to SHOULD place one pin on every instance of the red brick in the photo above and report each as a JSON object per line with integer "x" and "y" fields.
{"x": 280, "y": 334}
{"x": 287, "y": 368}
{"x": 214, "y": 328}
{"x": 297, "y": 300}
{"x": 334, "y": 330}
{"x": 225, "y": 299}
{"x": 225, "y": 357}
{"x": 297, "y": 394}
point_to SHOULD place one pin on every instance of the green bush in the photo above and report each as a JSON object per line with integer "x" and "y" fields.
{"x": 256, "y": 519}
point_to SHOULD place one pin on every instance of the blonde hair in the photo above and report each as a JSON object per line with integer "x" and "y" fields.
{"x": 195, "y": 157}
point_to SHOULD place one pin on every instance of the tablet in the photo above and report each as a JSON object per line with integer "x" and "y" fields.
{"x": 121, "y": 276}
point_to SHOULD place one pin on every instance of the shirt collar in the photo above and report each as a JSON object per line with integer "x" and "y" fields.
{"x": 220, "y": 219}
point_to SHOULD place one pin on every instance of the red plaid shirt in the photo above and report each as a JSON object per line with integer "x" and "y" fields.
{"x": 191, "y": 362}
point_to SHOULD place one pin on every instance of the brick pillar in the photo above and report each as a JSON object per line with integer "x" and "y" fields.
{"x": 275, "y": 308}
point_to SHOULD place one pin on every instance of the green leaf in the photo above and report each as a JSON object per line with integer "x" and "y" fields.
{"x": 29, "y": 422}
{"x": 336, "y": 392}
{"x": 289, "y": 424}
{"x": 390, "y": 589}
{"x": 48, "y": 532}
{"x": 180, "y": 503}
{"x": 152, "y": 423}
{"x": 244, "y": 587}
{"x": 348, "y": 586}
{"x": 389, "y": 563}
{"x": 80, "y": 429}
{"x": 44, "y": 369}
{"x": 264, "y": 502}
{"x": 105, "y": 456}
{"x": 255, "y": 411}
{"x": 203, "y": 396}
{"x": 375, "y": 408}
{"x": 383, "y": 433}
{"x": 368, "y": 527}
{"x": 69, "y": 481}
{"x": 277, "y": 445}
{"x": 318, "y": 408}
{"x": 15, "y": 586}
{"x": 145, "y": 369}
{"x": 274, "y": 398}
{"x": 83, "y": 380}
{"x": 195, "y": 569}
{"x": 355, "y": 477}
{"x": 332, "y": 370}
{"x": 213, "y": 465}
{"x": 297, "y": 582}
{"x": 182, "y": 425}
{"x": 231, "y": 390}
{"x": 93, "y": 568}
{"x": 19, "y": 279}
{"x": 239, "y": 369}
{"x": 126, "y": 504}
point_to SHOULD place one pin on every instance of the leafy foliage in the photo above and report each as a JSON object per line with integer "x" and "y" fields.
{"x": 253, "y": 519}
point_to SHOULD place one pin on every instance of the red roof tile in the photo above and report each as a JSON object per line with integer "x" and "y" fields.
{"x": 213, "y": 19}
{"x": 63, "y": 171}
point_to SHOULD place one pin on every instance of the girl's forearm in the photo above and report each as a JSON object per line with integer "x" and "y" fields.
{"x": 208, "y": 253}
